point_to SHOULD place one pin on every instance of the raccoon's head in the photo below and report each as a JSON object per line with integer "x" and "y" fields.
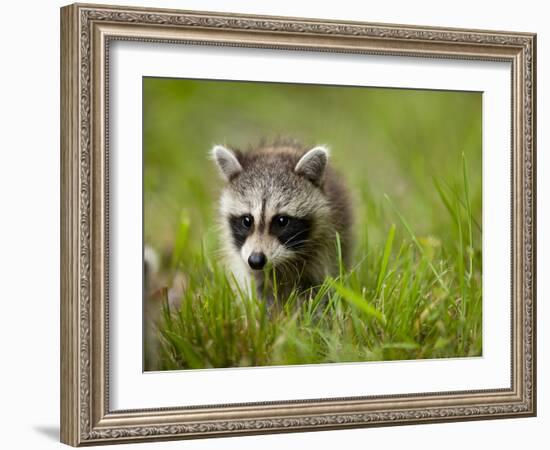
{"x": 273, "y": 207}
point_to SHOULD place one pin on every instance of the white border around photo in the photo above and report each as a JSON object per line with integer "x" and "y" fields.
{"x": 131, "y": 388}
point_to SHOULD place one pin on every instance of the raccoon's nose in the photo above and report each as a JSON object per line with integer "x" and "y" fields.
{"x": 257, "y": 261}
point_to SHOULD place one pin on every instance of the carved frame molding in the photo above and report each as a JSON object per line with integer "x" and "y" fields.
{"x": 86, "y": 32}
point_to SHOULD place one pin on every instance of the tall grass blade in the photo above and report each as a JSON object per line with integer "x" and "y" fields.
{"x": 341, "y": 268}
{"x": 420, "y": 248}
{"x": 469, "y": 210}
{"x": 385, "y": 259}
{"x": 445, "y": 199}
{"x": 461, "y": 202}
{"x": 359, "y": 302}
{"x": 182, "y": 235}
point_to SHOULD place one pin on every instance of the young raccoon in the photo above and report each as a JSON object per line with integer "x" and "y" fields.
{"x": 280, "y": 209}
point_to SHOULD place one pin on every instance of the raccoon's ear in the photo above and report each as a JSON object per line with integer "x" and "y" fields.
{"x": 226, "y": 161}
{"x": 312, "y": 165}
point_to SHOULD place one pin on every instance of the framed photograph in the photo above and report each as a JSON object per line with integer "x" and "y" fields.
{"x": 276, "y": 224}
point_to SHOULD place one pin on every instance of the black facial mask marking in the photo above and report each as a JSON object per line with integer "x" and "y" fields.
{"x": 239, "y": 230}
{"x": 294, "y": 234}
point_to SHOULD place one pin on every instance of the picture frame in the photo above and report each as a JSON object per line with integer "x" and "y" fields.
{"x": 87, "y": 32}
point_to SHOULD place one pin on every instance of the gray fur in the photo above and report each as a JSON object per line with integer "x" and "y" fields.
{"x": 285, "y": 178}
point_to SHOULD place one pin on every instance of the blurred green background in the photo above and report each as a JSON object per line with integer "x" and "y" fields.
{"x": 412, "y": 160}
{"x": 383, "y": 141}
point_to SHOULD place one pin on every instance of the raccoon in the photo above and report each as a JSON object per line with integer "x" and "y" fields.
{"x": 280, "y": 211}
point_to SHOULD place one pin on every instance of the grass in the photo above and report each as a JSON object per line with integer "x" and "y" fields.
{"x": 404, "y": 300}
{"x": 414, "y": 289}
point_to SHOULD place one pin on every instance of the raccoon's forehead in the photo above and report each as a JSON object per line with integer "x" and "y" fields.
{"x": 272, "y": 195}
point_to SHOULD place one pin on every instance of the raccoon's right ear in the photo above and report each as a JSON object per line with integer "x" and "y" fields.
{"x": 226, "y": 161}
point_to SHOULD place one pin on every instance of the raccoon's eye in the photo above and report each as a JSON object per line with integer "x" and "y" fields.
{"x": 247, "y": 221}
{"x": 282, "y": 221}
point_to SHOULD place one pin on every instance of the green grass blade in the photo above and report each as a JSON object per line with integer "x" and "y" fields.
{"x": 445, "y": 199}
{"x": 341, "y": 269}
{"x": 385, "y": 259}
{"x": 469, "y": 210}
{"x": 359, "y": 302}
{"x": 182, "y": 235}
{"x": 461, "y": 202}
{"x": 420, "y": 248}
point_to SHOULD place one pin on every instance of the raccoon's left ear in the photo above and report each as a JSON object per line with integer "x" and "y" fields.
{"x": 313, "y": 164}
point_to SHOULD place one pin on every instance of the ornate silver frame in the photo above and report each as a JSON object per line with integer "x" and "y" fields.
{"x": 86, "y": 31}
